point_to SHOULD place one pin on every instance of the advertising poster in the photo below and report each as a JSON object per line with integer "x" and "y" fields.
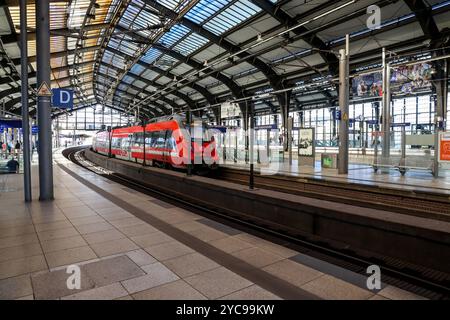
{"x": 444, "y": 147}
{"x": 230, "y": 110}
{"x": 410, "y": 79}
{"x": 306, "y": 142}
{"x": 369, "y": 85}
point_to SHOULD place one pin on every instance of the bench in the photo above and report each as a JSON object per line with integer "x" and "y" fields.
{"x": 5, "y": 170}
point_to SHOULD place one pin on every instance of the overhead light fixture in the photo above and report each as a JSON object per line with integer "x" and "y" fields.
{"x": 205, "y": 64}
{"x": 259, "y": 38}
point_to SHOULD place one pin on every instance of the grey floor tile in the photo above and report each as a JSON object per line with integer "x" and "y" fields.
{"x": 138, "y": 230}
{"x": 141, "y": 257}
{"x": 53, "y": 285}
{"x": 148, "y": 240}
{"x": 69, "y": 256}
{"x": 177, "y": 290}
{"x": 109, "y": 292}
{"x": 18, "y": 240}
{"x": 257, "y": 257}
{"x": 157, "y": 274}
{"x": 168, "y": 250}
{"x": 292, "y": 272}
{"x": 21, "y": 266}
{"x": 217, "y": 283}
{"x": 394, "y": 293}
{"x": 94, "y": 227}
{"x": 112, "y": 270}
{"x": 126, "y": 222}
{"x": 64, "y": 224}
{"x": 190, "y": 264}
{"x": 103, "y": 236}
{"x": 108, "y": 248}
{"x": 16, "y": 231}
{"x": 219, "y": 226}
{"x": 57, "y": 234}
{"x": 16, "y": 287}
{"x": 25, "y": 250}
{"x": 63, "y": 243}
{"x": 253, "y": 292}
{"x": 231, "y": 244}
{"x": 331, "y": 288}
{"x": 86, "y": 220}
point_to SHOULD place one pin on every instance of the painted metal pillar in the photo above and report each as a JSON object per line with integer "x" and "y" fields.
{"x": 386, "y": 112}
{"x": 290, "y": 125}
{"x": 24, "y": 101}
{"x": 44, "y": 103}
{"x": 284, "y": 100}
{"x": 251, "y": 146}
{"x": 189, "y": 144}
{"x": 343, "y": 106}
{"x": 441, "y": 90}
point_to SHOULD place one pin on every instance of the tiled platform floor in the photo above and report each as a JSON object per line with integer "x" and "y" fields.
{"x": 123, "y": 257}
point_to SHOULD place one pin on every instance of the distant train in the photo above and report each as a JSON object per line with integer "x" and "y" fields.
{"x": 165, "y": 143}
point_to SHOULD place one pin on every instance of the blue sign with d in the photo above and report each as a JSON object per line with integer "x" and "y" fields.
{"x": 62, "y": 98}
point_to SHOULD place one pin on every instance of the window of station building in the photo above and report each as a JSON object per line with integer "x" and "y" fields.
{"x": 92, "y": 118}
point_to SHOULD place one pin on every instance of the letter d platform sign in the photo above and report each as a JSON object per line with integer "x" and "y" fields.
{"x": 62, "y": 98}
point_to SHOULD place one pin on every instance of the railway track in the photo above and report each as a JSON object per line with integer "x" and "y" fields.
{"x": 419, "y": 280}
{"x": 419, "y": 204}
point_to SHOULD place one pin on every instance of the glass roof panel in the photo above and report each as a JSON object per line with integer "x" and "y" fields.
{"x": 151, "y": 55}
{"x": 238, "y": 12}
{"x": 192, "y": 43}
{"x": 205, "y": 9}
{"x": 177, "y": 32}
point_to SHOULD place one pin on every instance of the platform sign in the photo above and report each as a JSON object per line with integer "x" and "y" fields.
{"x": 266, "y": 127}
{"x": 34, "y": 130}
{"x": 229, "y": 110}
{"x": 444, "y": 147}
{"x": 44, "y": 90}
{"x": 403, "y": 124}
{"x": 62, "y": 98}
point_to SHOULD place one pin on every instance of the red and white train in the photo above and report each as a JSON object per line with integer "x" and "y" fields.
{"x": 165, "y": 143}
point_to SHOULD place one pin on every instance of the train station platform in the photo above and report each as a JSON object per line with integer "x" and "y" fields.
{"x": 130, "y": 245}
{"x": 358, "y": 174}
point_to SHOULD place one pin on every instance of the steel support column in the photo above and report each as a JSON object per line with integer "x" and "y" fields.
{"x": 43, "y": 103}
{"x": 24, "y": 97}
{"x": 441, "y": 90}
{"x": 343, "y": 106}
{"x": 386, "y": 113}
{"x": 284, "y": 100}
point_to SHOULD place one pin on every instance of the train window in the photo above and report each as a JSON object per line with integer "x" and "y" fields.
{"x": 171, "y": 144}
{"x": 116, "y": 142}
{"x": 161, "y": 139}
{"x": 138, "y": 139}
{"x": 148, "y": 138}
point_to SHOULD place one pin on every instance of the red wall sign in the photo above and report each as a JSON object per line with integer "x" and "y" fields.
{"x": 444, "y": 147}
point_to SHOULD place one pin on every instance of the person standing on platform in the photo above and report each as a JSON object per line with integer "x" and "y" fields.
{"x": 17, "y": 148}
{"x": 33, "y": 146}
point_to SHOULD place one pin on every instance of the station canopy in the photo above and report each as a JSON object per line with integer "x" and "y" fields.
{"x": 164, "y": 56}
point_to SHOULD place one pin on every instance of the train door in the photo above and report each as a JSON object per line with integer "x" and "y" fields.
{"x": 170, "y": 147}
{"x": 147, "y": 148}
{"x": 158, "y": 143}
{"x": 135, "y": 146}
